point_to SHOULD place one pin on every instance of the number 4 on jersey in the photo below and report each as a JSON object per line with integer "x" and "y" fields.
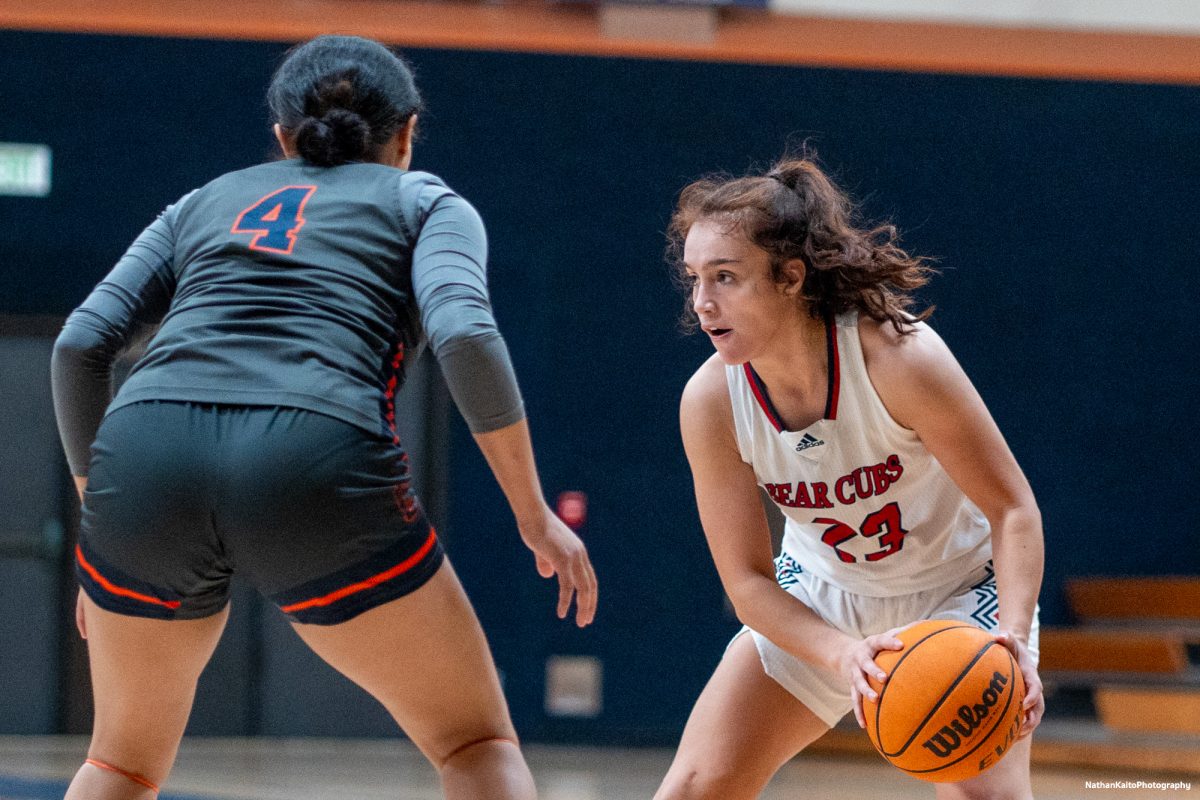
{"x": 275, "y": 219}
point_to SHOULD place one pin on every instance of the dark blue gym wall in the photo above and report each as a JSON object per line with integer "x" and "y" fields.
{"x": 1063, "y": 215}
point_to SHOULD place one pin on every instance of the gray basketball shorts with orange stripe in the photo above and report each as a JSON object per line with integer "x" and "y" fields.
{"x": 315, "y": 513}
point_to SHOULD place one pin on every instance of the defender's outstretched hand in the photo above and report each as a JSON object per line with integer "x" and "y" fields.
{"x": 559, "y": 551}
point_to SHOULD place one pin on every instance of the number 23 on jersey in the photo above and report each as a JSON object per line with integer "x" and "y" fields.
{"x": 275, "y": 219}
{"x": 885, "y": 521}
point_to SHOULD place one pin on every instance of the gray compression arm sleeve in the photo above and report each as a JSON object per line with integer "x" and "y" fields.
{"x": 136, "y": 293}
{"x": 450, "y": 285}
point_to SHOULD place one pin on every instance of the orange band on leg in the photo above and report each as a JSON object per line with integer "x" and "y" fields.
{"x": 469, "y": 745}
{"x": 138, "y": 779}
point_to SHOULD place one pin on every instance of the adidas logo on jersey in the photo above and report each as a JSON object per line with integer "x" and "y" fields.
{"x": 808, "y": 441}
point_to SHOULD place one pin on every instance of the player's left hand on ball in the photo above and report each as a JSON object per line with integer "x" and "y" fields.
{"x": 1034, "y": 704}
{"x": 858, "y": 662}
{"x": 559, "y": 551}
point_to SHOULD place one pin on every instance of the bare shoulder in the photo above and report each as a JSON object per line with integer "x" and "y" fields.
{"x": 705, "y": 409}
{"x": 907, "y": 370}
{"x": 883, "y": 347}
{"x": 706, "y": 388}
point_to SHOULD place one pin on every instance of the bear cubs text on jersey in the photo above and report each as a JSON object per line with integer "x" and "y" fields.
{"x": 859, "y": 484}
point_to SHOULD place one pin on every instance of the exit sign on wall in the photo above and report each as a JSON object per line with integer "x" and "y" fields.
{"x": 24, "y": 169}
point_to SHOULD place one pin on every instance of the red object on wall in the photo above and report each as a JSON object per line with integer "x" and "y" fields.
{"x": 572, "y": 509}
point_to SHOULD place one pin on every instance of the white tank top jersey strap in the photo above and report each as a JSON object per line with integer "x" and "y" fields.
{"x": 868, "y": 508}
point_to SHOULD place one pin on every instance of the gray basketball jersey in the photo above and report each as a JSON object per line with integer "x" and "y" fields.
{"x": 294, "y": 285}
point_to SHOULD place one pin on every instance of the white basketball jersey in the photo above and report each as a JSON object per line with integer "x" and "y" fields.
{"x": 868, "y": 508}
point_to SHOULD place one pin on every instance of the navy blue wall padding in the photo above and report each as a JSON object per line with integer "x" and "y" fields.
{"x": 32, "y": 470}
{"x": 1063, "y": 214}
{"x": 29, "y": 629}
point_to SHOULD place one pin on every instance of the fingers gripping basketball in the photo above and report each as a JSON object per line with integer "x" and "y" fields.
{"x": 951, "y": 706}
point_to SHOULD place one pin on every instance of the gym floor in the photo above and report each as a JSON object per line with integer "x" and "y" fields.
{"x": 38, "y": 768}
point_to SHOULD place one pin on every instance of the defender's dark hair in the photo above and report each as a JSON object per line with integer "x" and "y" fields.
{"x": 796, "y": 211}
{"x": 342, "y": 97}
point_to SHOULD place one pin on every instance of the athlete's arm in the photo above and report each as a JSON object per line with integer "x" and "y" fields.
{"x": 449, "y": 282}
{"x": 136, "y": 293}
{"x": 740, "y": 541}
{"x": 923, "y": 388}
{"x": 450, "y": 287}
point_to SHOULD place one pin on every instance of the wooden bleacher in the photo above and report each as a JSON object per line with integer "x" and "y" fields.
{"x": 1131, "y": 650}
{"x": 1122, "y": 685}
{"x": 1104, "y": 600}
{"x": 1107, "y": 650}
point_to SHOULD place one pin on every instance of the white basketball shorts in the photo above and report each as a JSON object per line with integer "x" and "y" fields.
{"x": 826, "y": 694}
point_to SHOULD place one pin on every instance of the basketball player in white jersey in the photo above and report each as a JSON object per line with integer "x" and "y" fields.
{"x": 898, "y": 489}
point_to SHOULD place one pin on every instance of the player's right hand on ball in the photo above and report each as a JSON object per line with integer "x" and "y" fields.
{"x": 1034, "y": 703}
{"x": 560, "y": 552}
{"x": 858, "y": 661}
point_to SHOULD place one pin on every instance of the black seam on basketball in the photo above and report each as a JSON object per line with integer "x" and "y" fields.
{"x": 933, "y": 709}
{"x": 1001, "y": 717}
{"x": 883, "y": 691}
{"x": 879, "y": 701}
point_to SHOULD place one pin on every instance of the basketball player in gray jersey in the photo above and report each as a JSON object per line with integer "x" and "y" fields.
{"x": 257, "y": 435}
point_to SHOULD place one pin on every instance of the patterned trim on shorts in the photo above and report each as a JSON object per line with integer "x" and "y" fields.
{"x": 787, "y": 570}
{"x": 987, "y": 602}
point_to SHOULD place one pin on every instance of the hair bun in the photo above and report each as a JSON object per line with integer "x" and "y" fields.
{"x": 791, "y": 173}
{"x": 342, "y": 98}
{"x": 337, "y": 137}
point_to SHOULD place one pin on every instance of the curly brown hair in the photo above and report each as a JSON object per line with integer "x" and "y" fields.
{"x": 796, "y": 211}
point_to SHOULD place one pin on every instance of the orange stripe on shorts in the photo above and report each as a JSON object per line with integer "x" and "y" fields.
{"x": 120, "y": 591}
{"x": 374, "y": 580}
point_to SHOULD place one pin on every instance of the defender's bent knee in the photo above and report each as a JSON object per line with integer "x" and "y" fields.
{"x": 490, "y": 767}
{"x": 474, "y": 749}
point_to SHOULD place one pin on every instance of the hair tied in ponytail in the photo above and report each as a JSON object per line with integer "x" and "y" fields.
{"x": 343, "y": 98}
{"x": 851, "y": 263}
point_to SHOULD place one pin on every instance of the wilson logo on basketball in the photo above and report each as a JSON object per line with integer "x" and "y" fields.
{"x": 951, "y": 736}
{"x": 954, "y": 690}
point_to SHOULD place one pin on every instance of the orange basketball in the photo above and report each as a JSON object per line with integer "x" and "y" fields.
{"x": 951, "y": 706}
